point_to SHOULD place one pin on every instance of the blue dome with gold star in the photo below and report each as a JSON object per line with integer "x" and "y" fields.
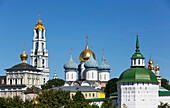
{"x": 70, "y": 64}
{"x": 91, "y": 63}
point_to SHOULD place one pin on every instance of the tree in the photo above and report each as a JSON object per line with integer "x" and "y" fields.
{"x": 55, "y": 82}
{"x": 79, "y": 101}
{"x": 165, "y": 83}
{"x": 111, "y": 86}
{"x": 55, "y": 99}
{"x": 107, "y": 103}
{"x": 163, "y": 105}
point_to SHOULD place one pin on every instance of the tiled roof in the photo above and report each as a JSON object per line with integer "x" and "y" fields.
{"x": 23, "y": 66}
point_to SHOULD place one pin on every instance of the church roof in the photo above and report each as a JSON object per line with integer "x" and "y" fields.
{"x": 164, "y": 93}
{"x": 23, "y": 66}
{"x": 138, "y": 74}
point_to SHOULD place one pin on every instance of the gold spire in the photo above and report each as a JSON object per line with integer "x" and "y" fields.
{"x": 150, "y": 63}
{"x": 24, "y": 56}
{"x": 39, "y": 25}
{"x": 85, "y": 55}
{"x": 157, "y": 67}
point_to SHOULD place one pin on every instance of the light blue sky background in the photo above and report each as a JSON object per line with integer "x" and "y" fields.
{"x": 110, "y": 25}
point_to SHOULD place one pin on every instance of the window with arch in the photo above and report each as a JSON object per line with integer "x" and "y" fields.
{"x": 88, "y": 75}
{"x": 89, "y": 94}
{"x": 93, "y": 95}
{"x": 16, "y": 81}
{"x": 104, "y": 76}
{"x": 43, "y": 61}
{"x": 10, "y": 81}
{"x": 35, "y": 62}
{"x": 134, "y": 61}
{"x": 139, "y": 61}
{"x": 92, "y": 75}
{"x": 21, "y": 80}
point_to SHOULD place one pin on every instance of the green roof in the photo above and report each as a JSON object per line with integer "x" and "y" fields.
{"x": 114, "y": 94}
{"x": 164, "y": 93}
{"x": 97, "y": 99}
{"x": 138, "y": 74}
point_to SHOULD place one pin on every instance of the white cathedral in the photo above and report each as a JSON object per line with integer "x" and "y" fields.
{"x": 89, "y": 71}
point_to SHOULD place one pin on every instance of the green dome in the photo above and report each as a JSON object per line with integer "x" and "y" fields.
{"x": 138, "y": 74}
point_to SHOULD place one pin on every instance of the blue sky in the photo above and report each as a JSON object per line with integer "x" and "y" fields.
{"x": 110, "y": 24}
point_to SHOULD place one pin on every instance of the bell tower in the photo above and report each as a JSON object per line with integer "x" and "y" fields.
{"x": 39, "y": 53}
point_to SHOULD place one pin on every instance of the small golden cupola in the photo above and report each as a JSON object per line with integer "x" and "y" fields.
{"x": 39, "y": 25}
{"x": 85, "y": 55}
{"x": 157, "y": 67}
{"x": 24, "y": 56}
{"x": 150, "y": 64}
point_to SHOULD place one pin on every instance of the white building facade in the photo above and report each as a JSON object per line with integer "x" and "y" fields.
{"x": 39, "y": 53}
{"x": 138, "y": 87}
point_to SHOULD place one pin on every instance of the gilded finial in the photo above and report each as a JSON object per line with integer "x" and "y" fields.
{"x": 86, "y": 39}
{"x": 39, "y": 16}
{"x": 157, "y": 67}
{"x": 24, "y": 46}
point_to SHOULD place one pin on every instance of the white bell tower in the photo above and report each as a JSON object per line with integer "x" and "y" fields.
{"x": 39, "y": 53}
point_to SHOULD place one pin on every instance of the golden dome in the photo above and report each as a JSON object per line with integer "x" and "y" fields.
{"x": 157, "y": 67}
{"x": 150, "y": 63}
{"x": 23, "y": 56}
{"x": 39, "y": 25}
{"x": 85, "y": 55}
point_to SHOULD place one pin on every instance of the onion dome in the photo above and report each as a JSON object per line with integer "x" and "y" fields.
{"x": 150, "y": 64}
{"x": 70, "y": 64}
{"x": 24, "y": 56}
{"x": 85, "y": 55}
{"x": 91, "y": 63}
{"x": 39, "y": 25}
{"x": 137, "y": 54}
{"x": 157, "y": 67}
{"x": 104, "y": 65}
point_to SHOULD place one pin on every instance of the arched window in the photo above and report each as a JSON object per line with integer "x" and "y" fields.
{"x": 93, "y": 94}
{"x": 100, "y": 76}
{"x": 43, "y": 61}
{"x": 10, "y": 81}
{"x": 21, "y": 80}
{"x": 67, "y": 76}
{"x": 104, "y": 76}
{"x": 16, "y": 81}
{"x": 35, "y": 62}
{"x": 89, "y": 95}
{"x": 139, "y": 61}
{"x": 134, "y": 61}
{"x": 92, "y": 75}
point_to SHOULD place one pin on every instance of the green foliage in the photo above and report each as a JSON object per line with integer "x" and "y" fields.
{"x": 163, "y": 105}
{"x": 95, "y": 106}
{"x": 55, "y": 82}
{"x": 165, "y": 83}
{"x": 111, "y": 86}
{"x": 107, "y": 103}
{"x": 79, "y": 101}
{"x": 55, "y": 99}
{"x": 49, "y": 99}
